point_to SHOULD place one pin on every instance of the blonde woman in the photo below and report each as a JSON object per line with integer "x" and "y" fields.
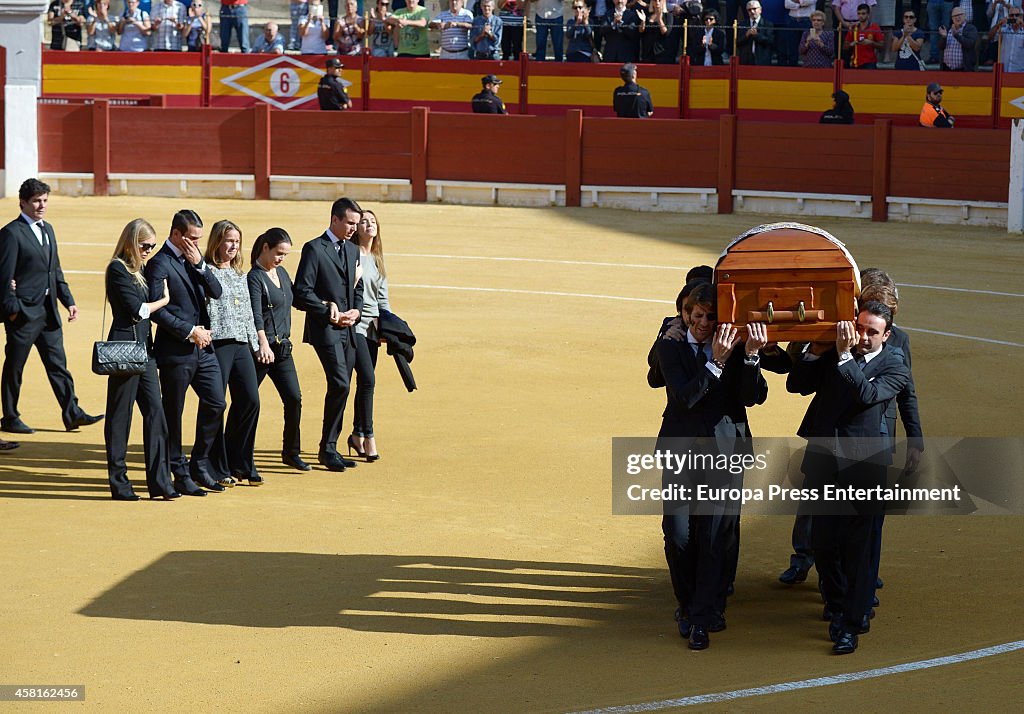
{"x": 375, "y": 299}
{"x": 234, "y": 343}
{"x": 127, "y": 293}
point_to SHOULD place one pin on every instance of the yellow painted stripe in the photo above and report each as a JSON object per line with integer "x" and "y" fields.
{"x": 1008, "y": 110}
{"x": 791, "y": 96}
{"x": 260, "y": 82}
{"x": 437, "y": 86}
{"x": 709, "y": 94}
{"x": 896, "y": 99}
{"x": 97, "y": 80}
{"x": 596, "y": 91}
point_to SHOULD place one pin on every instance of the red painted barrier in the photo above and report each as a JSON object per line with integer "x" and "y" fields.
{"x": 574, "y": 150}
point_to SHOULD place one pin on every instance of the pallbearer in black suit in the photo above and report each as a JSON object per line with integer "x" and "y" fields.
{"x": 328, "y": 290}
{"x": 853, "y": 382}
{"x": 234, "y": 344}
{"x": 709, "y": 384}
{"x": 130, "y": 309}
{"x": 270, "y": 290}
{"x": 184, "y": 349}
{"x": 28, "y": 257}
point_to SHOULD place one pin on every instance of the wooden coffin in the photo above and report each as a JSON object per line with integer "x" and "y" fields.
{"x": 798, "y": 279}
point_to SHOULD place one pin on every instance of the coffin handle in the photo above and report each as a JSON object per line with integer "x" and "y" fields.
{"x": 800, "y": 312}
{"x": 771, "y": 312}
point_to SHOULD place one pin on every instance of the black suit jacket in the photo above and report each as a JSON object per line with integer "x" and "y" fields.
{"x": 845, "y": 417}
{"x": 756, "y": 51}
{"x": 695, "y": 46}
{"x": 327, "y": 275}
{"x": 906, "y": 400}
{"x": 36, "y": 269}
{"x": 126, "y": 296}
{"x": 189, "y": 289}
{"x": 702, "y": 405}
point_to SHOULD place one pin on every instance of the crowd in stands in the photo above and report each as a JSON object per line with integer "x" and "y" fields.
{"x": 952, "y": 35}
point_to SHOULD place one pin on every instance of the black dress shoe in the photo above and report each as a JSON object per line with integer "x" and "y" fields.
{"x": 17, "y": 426}
{"x": 683, "y": 624}
{"x": 699, "y": 639}
{"x": 164, "y": 496}
{"x": 835, "y": 629}
{"x": 333, "y": 462}
{"x": 82, "y": 420}
{"x": 206, "y": 481}
{"x": 125, "y": 497}
{"x": 253, "y": 480}
{"x": 865, "y": 625}
{"x": 8, "y": 445}
{"x": 793, "y": 575}
{"x": 879, "y": 584}
{"x": 216, "y": 487}
{"x": 845, "y": 644}
{"x": 828, "y": 615}
{"x": 874, "y": 602}
{"x": 717, "y": 624}
{"x": 295, "y": 462}
{"x": 187, "y": 487}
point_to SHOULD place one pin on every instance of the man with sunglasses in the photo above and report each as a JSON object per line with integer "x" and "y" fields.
{"x": 1010, "y": 33}
{"x": 932, "y": 113}
{"x": 959, "y": 44}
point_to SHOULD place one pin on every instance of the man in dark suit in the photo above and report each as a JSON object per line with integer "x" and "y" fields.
{"x": 327, "y": 290}
{"x": 847, "y": 447}
{"x": 709, "y": 385}
{"x": 184, "y": 351}
{"x": 755, "y": 41}
{"x": 33, "y": 283}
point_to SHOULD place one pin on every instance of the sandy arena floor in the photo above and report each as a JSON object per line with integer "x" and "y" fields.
{"x": 477, "y": 566}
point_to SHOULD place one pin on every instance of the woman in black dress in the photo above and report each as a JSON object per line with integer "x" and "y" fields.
{"x": 127, "y": 293}
{"x": 270, "y": 290}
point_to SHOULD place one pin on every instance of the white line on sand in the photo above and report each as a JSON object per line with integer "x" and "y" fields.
{"x": 812, "y": 683}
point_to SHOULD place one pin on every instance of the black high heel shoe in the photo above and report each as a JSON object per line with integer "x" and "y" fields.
{"x": 355, "y": 447}
{"x": 372, "y": 457}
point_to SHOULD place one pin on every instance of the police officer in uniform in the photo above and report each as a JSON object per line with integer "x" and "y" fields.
{"x": 631, "y": 100}
{"x": 488, "y": 101}
{"x": 331, "y": 92}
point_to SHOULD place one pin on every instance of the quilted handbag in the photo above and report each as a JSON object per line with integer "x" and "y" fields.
{"x": 118, "y": 358}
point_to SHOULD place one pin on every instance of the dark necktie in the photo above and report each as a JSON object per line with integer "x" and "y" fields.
{"x": 702, "y": 357}
{"x": 859, "y": 359}
{"x": 43, "y": 240}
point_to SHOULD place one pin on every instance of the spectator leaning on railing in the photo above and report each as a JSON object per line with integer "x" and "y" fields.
{"x": 486, "y": 33}
{"x": 1010, "y": 33}
{"x": 271, "y": 42}
{"x": 102, "y": 28}
{"x": 349, "y": 30}
{"x": 818, "y": 45}
{"x": 959, "y": 44}
{"x": 134, "y": 27}
{"x": 168, "y": 19}
{"x": 455, "y": 24}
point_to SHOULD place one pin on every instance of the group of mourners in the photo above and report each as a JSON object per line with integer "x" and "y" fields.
{"x": 712, "y": 374}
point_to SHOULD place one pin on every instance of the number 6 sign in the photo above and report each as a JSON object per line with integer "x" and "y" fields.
{"x": 284, "y": 82}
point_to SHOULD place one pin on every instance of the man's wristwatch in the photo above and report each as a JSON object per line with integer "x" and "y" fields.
{"x": 718, "y": 363}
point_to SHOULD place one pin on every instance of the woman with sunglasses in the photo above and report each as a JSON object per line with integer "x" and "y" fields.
{"x": 907, "y": 43}
{"x": 127, "y": 293}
